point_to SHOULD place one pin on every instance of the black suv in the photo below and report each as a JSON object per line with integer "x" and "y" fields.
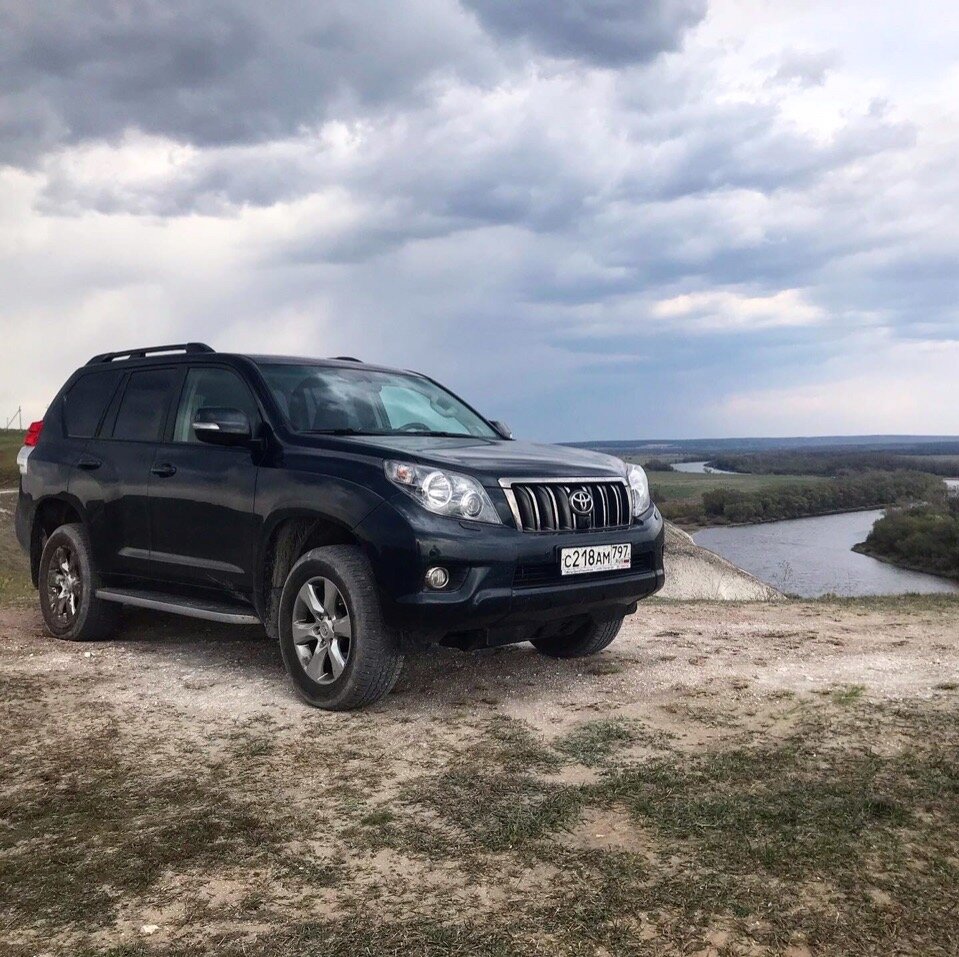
{"x": 357, "y": 512}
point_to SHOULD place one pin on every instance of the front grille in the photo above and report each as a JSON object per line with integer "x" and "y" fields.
{"x": 548, "y": 573}
{"x": 552, "y": 506}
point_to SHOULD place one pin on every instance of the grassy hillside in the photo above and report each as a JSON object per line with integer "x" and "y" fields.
{"x": 10, "y": 443}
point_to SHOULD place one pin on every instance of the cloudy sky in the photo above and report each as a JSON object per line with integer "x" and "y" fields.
{"x": 594, "y": 218}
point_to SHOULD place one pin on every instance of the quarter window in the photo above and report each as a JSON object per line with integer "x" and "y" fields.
{"x": 86, "y": 402}
{"x": 144, "y": 404}
{"x": 211, "y": 388}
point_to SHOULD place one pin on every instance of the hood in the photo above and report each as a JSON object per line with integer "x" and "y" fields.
{"x": 492, "y": 459}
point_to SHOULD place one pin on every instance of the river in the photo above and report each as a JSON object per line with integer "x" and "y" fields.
{"x": 813, "y": 556}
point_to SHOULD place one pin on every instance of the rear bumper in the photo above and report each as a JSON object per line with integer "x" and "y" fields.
{"x": 503, "y": 580}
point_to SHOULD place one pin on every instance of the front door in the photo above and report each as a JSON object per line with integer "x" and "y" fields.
{"x": 201, "y": 499}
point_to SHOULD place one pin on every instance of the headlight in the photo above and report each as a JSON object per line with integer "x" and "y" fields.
{"x": 442, "y": 492}
{"x": 639, "y": 487}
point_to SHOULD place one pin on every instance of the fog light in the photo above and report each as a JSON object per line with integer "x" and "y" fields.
{"x": 437, "y": 577}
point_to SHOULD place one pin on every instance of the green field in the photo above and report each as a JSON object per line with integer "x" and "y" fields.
{"x": 10, "y": 444}
{"x": 689, "y": 486}
{"x": 14, "y": 571}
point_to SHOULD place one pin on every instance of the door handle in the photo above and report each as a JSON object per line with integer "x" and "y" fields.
{"x": 164, "y": 471}
{"x": 88, "y": 463}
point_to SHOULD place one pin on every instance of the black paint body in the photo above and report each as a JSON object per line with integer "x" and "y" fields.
{"x": 198, "y": 519}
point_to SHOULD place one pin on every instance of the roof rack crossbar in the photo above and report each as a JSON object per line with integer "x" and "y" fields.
{"x": 347, "y": 359}
{"x": 143, "y": 352}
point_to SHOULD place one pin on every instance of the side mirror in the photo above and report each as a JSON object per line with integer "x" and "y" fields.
{"x": 504, "y": 430}
{"x": 222, "y": 426}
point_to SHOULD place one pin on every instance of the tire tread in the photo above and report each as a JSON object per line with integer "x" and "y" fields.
{"x": 590, "y": 640}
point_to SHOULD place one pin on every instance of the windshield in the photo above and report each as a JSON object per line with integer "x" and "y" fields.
{"x": 338, "y": 401}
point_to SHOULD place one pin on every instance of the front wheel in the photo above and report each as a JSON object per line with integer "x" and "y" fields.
{"x": 588, "y": 640}
{"x": 337, "y": 649}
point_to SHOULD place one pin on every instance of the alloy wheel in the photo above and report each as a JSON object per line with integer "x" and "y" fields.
{"x": 64, "y": 585}
{"x": 322, "y": 630}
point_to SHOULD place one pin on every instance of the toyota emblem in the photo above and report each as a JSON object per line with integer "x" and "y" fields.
{"x": 581, "y": 502}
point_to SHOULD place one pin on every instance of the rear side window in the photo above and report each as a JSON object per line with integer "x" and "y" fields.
{"x": 144, "y": 404}
{"x": 85, "y": 403}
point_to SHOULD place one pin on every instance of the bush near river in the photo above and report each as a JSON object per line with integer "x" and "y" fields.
{"x": 819, "y": 462}
{"x": 730, "y": 506}
{"x": 924, "y": 538}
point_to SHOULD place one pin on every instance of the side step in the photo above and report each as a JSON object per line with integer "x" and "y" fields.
{"x": 177, "y": 605}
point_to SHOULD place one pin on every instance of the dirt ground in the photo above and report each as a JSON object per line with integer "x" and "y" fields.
{"x": 726, "y": 778}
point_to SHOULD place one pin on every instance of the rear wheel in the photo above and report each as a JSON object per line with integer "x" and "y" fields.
{"x": 591, "y": 639}
{"x": 337, "y": 649}
{"x": 68, "y": 584}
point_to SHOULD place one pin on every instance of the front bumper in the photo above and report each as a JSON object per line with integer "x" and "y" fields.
{"x": 503, "y": 580}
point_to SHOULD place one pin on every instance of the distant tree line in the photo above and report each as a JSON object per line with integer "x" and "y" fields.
{"x": 832, "y": 463}
{"x": 725, "y": 506}
{"x": 925, "y": 538}
{"x": 657, "y": 465}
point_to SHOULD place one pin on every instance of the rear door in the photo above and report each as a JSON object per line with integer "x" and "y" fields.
{"x": 113, "y": 474}
{"x": 203, "y": 526}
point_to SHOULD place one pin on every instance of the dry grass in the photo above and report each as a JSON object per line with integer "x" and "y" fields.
{"x": 839, "y": 835}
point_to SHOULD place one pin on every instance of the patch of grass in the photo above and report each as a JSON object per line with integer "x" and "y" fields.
{"x": 428, "y": 936}
{"x": 90, "y": 826}
{"x": 824, "y": 838}
{"x": 850, "y": 694}
{"x": 495, "y": 810}
{"x": 513, "y": 746}
{"x": 593, "y": 742}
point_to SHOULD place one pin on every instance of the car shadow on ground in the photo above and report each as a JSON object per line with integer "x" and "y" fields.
{"x": 439, "y": 676}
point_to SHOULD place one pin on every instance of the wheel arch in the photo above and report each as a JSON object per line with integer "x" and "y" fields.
{"x": 286, "y": 538}
{"x": 50, "y": 513}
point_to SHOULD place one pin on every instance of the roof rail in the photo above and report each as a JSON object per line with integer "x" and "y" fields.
{"x": 347, "y": 358}
{"x": 142, "y": 353}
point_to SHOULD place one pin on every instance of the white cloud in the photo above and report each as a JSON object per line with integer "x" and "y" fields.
{"x": 727, "y": 311}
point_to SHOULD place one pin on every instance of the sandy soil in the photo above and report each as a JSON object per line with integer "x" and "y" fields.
{"x": 667, "y": 653}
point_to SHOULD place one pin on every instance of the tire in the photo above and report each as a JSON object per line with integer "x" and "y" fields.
{"x": 338, "y": 651}
{"x": 591, "y": 639}
{"x": 68, "y": 583}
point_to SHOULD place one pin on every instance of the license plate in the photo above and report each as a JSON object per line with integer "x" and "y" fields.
{"x": 594, "y": 558}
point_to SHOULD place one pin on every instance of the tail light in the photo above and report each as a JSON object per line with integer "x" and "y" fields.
{"x": 33, "y": 434}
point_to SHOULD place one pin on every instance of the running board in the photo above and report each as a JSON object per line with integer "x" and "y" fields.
{"x": 176, "y": 605}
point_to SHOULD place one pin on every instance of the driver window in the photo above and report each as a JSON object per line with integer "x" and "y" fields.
{"x": 217, "y": 388}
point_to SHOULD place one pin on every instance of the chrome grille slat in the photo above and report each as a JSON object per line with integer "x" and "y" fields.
{"x": 544, "y": 505}
{"x": 605, "y": 503}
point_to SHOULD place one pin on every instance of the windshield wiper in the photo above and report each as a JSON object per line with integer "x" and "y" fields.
{"x": 441, "y": 435}
{"x": 339, "y": 432}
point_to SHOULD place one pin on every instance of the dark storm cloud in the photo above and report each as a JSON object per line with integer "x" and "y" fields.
{"x": 461, "y": 186}
{"x": 603, "y": 32}
{"x": 215, "y": 72}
